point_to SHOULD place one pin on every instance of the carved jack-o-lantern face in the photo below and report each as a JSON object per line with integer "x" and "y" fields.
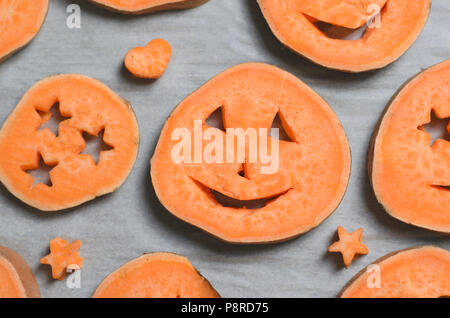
{"x": 87, "y": 107}
{"x": 411, "y": 179}
{"x": 294, "y": 23}
{"x": 304, "y": 186}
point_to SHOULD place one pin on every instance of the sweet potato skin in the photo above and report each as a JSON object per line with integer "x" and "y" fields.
{"x": 179, "y": 5}
{"x": 23, "y": 270}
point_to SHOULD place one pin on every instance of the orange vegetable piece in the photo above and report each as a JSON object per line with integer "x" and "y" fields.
{"x": 150, "y": 61}
{"x": 62, "y": 256}
{"x": 400, "y": 25}
{"x": 157, "y": 275}
{"x": 421, "y": 272}
{"x": 16, "y": 278}
{"x": 146, "y": 6}
{"x": 87, "y": 106}
{"x": 20, "y": 22}
{"x": 349, "y": 245}
{"x": 411, "y": 177}
{"x": 346, "y": 13}
{"x": 314, "y": 165}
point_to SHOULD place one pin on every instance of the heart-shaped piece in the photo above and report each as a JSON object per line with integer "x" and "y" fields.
{"x": 150, "y": 61}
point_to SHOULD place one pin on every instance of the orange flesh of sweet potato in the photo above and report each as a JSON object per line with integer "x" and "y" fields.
{"x": 20, "y": 21}
{"x": 346, "y": 13}
{"x": 313, "y": 171}
{"x": 157, "y": 275}
{"x": 349, "y": 245}
{"x": 150, "y": 61}
{"x": 16, "y": 278}
{"x": 400, "y": 25}
{"x": 422, "y": 272}
{"x": 63, "y": 256}
{"x": 408, "y": 175}
{"x": 90, "y": 107}
{"x": 146, "y": 6}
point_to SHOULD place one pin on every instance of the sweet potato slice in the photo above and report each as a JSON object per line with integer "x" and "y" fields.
{"x": 20, "y": 21}
{"x": 150, "y": 61}
{"x": 87, "y": 107}
{"x": 16, "y": 278}
{"x": 346, "y": 13}
{"x": 410, "y": 176}
{"x": 63, "y": 256}
{"x": 157, "y": 275}
{"x": 400, "y": 25}
{"x": 314, "y": 165}
{"x": 146, "y": 6}
{"x": 349, "y": 245}
{"x": 422, "y": 272}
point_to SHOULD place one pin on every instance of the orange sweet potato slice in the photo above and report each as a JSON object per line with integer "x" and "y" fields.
{"x": 314, "y": 165}
{"x": 410, "y": 176}
{"x": 400, "y": 25}
{"x": 146, "y": 6}
{"x": 16, "y": 278}
{"x": 422, "y": 272}
{"x": 349, "y": 245}
{"x": 157, "y": 275}
{"x": 346, "y": 13}
{"x": 150, "y": 61}
{"x": 87, "y": 107}
{"x": 63, "y": 256}
{"x": 20, "y": 21}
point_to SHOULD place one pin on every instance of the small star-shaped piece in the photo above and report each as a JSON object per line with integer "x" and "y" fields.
{"x": 62, "y": 256}
{"x": 349, "y": 245}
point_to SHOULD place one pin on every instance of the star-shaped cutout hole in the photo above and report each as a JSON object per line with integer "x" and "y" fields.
{"x": 51, "y": 119}
{"x": 437, "y": 128}
{"x": 349, "y": 245}
{"x": 63, "y": 256}
{"x": 41, "y": 174}
{"x": 95, "y": 145}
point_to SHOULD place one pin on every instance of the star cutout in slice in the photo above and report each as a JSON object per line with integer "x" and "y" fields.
{"x": 52, "y": 119}
{"x": 349, "y": 245}
{"x": 437, "y": 128}
{"x": 41, "y": 174}
{"x": 62, "y": 256}
{"x": 95, "y": 145}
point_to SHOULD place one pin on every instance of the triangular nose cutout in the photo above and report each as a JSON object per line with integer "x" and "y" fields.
{"x": 216, "y": 119}
{"x": 277, "y": 124}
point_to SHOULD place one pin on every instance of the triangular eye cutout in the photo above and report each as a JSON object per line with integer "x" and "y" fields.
{"x": 277, "y": 124}
{"x": 51, "y": 119}
{"x": 95, "y": 145}
{"x": 437, "y": 128}
{"x": 216, "y": 119}
{"x": 41, "y": 174}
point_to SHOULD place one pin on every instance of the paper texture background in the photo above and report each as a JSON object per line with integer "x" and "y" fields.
{"x": 206, "y": 40}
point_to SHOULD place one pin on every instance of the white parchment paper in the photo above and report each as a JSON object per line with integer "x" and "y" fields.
{"x": 206, "y": 40}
